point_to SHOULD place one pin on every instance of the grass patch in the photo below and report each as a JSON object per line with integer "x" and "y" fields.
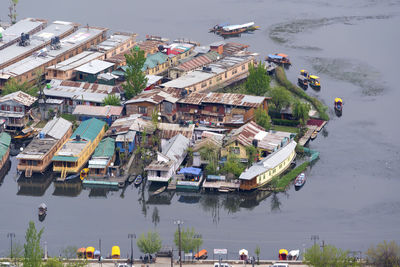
{"x": 68, "y": 117}
{"x": 282, "y": 183}
{"x": 41, "y": 124}
{"x": 285, "y": 129}
{"x": 283, "y": 81}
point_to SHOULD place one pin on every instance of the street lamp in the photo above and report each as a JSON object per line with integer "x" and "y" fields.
{"x": 131, "y": 236}
{"x": 179, "y": 222}
{"x": 11, "y": 236}
{"x": 198, "y": 236}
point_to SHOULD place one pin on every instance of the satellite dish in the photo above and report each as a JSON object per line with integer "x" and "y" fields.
{"x": 21, "y": 149}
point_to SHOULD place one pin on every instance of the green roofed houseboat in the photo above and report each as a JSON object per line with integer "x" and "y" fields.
{"x": 102, "y": 158}
{"x": 75, "y": 153}
{"x": 5, "y": 141}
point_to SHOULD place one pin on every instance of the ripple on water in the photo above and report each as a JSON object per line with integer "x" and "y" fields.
{"x": 353, "y": 71}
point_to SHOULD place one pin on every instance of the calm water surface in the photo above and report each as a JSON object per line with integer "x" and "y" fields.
{"x": 351, "y": 198}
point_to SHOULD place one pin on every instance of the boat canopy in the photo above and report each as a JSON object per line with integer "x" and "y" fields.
{"x": 283, "y": 251}
{"x": 201, "y": 253}
{"x": 190, "y": 170}
{"x": 274, "y": 56}
{"x": 115, "y": 252}
{"x": 314, "y": 77}
{"x": 337, "y": 99}
{"x": 243, "y": 252}
{"x": 42, "y": 206}
{"x": 96, "y": 253}
{"x": 282, "y": 55}
{"x": 81, "y": 250}
{"x": 294, "y": 253}
{"x": 90, "y": 250}
{"x": 239, "y": 26}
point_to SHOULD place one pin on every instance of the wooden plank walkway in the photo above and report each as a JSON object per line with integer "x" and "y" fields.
{"x": 306, "y": 137}
{"x": 220, "y": 184}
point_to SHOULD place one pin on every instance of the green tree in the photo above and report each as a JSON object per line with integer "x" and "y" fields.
{"x": 13, "y": 11}
{"x": 258, "y": 82}
{"x": 262, "y": 118}
{"x": 190, "y": 240}
{"x": 300, "y": 111}
{"x": 149, "y": 243}
{"x": 53, "y": 262}
{"x": 252, "y": 153}
{"x": 280, "y": 98}
{"x": 111, "y": 100}
{"x": 69, "y": 252}
{"x": 233, "y": 166}
{"x": 17, "y": 251}
{"x": 12, "y": 85}
{"x": 211, "y": 154}
{"x": 257, "y": 251}
{"x": 328, "y": 256}
{"x": 384, "y": 254}
{"x": 33, "y": 251}
{"x": 135, "y": 78}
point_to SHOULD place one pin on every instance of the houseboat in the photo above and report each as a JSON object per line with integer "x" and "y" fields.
{"x": 37, "y": 156}
{"x": 5, "y": 141}
{"x": 190, "y": 178}
{"x": 102, "y": 158}
{"x": 75, "y": 153}
{"x": 262, "y": 172}
{"x": 280, "y": 59}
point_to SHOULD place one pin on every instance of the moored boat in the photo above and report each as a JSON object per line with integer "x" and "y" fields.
{"x": 299, "y": 181}
{"x": 42, "y": 209}
{"x": 5, "y": 141}
{"x": 279, "y": 58}
{"x": 236, "y": 29}
{"x": 84, "y": 173}
{"x": 25, "y": 134}
{"x": 191, "y": 179}
{"x": 283, "y": 253}
{"x": 338, "y": 104}
{"x": 302, "y": 82}
{"x": 138, "y": 180}
{"x": 314, "y": 135}
{"x": 315, "y": 82}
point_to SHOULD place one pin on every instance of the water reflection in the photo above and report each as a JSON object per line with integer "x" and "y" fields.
{"x": 4, "y": 171}
{"x": 155, "y": 217}
{"x": 67, "y": 189}
{"x": 34, "y": 186}
{"x": 161, "y": 199}
{"x": 188, "y": 197}
{"x": 101, "y": 192}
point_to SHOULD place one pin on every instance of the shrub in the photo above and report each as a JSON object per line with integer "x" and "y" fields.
{"x": 292, "y": 123}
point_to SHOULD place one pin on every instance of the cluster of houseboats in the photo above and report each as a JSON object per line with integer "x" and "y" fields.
{"x": 82, "y": 66}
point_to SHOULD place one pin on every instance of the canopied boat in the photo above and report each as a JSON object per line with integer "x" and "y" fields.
{"x": 236, "y": 29}
{"x": 279, "y": 58}
{"x": 315, "y": 82}
{"x": 283, "y": 253}
{"x": 299, "y": 181}
{"x": 338, "y": 105}
{"x": 302, "y": 82}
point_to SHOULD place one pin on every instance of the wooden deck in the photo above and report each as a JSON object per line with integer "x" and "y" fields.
{"x": 221, "y": 185}
{"x": 306, "y": 137}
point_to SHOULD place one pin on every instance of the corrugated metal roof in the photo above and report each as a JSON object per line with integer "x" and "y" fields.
{"x": 245, "y": 134}
{"x": 89, "y": 129}
{"x": 114, "y": 41}
{"x": 57, "y": 128}
{"x": 153, "y": 60}
{"x": 121, "y": 125}
{"x": 106, "y": 148}
{"x": 94, "y": 66}
{"x": 22, "y": 26}
{"x": 195, "y": 63}
{"x": 234, "y": 99}
{"x": 5, "y": 140}
{"x": 103, "y": 111}
{"x": 19, "y": 97}
{"x": 155, "y": 96}
{"x": 175, "y": 147}
{"x": 193, "y": 98}
{"x": 269, "y": 162}
{"x": 76, "y": 61}
{"x": 169, "y": 130}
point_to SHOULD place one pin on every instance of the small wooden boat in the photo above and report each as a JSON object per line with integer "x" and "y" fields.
{"x": 299, "y": 181}
{"x": 315, "y": 82}
{"x": 218, "y": 27}
{"x": 42, "y": 209}
{"x": 84, "y": 173}
{"x": 159, "y": 191}
{"x": 338, "y": 104}
{"x": 131, "y": 178}
{"x": 227, "y": 33}
{"x": 302, "y": 82}
{"x": 26, "y": 133}
{"x": 314, "y": 135}
{"x": 138, "y": 180}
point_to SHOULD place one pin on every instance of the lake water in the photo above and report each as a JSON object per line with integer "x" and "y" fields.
{"x": 351, "y": 198}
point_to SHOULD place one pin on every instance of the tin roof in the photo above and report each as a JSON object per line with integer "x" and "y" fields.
{"x": 106, "y": 148}
{"x": 98, "y": 111}
{"x": 27, "y": 25}
{"x": 76, "y": 61}
{"x": 114, "y": 41}
{"x": 234, "y": 99}
{"x": 155, "y": 96}
{"x": 233, "y": 48}
{"x": 149, "y": 46}
{"x": 122, "y": 125}
{"x": 5, "y": 140}
{"x": 193, "y": 99}
{"x": 37, "y": 40}
{"x": 175, "y": 147}
{"x": 46, "y": 55}
{"x": 56, "y": 128}
{"x": 153, "y": 60}
{"x": 94, "y": 66}
{"x": 19, "y": 97}
{"x": 270, "y": 162}
{"x": 169, "y": 130}
{"x": 80, "y": 90}
{"x": 245, "y": 134}
{"x": 199, "y": 61}
{"x": 89, "y": 129}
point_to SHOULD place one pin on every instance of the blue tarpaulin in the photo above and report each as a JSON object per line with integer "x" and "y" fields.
{"x": 190, "y": 170}
{"x": 274, "y": 56}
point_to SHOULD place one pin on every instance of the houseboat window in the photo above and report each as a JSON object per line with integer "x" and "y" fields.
{"x": 8, "y": 108}
{"x": 2, "y": 107}
{"x": 142, "y": 110}
{"x": 220, "y": 119}
{"x": 203, "y": 84}
{"x": 159, "y": 173}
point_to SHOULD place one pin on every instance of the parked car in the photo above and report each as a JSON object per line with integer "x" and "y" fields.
{"x": 223, "y": 264}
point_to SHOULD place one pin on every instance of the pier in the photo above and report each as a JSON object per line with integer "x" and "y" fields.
{"x": 306, "y": 137}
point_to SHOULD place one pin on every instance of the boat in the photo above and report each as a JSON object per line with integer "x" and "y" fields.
{"x": 190, "y": 178}
{"x": 305, "y": 74}
{"x": 5, "y": 142}
{"x": 243, "y": 254}
{"x": 138, "y": 180}
{"x": 201, "y": 255}
{"x": 299, "y": 181}
{"x": 26, "y": 134}
{"x": 314, "y": 135}
{"x": 72, "y": 177}
{"x": 293, "y": 255}
{"x": 218, "y": 27}
{"x": 131, "y": 178}
{"x": 42, "y": 209}
{"x": 315, "y": 82}
{"x": 338, "y": 104}
{"x": 84, "y": 173}
{"x": 115, "y": 253}
{"x": 279, "y": 58}
{"x": 302, "y": 82}
{"x": 90, "y": 253}
{"x": 81, "y": 253}
{"x": 159, "y": 190}
{"x": 283, "y": 254}
{"x": 237, "y": 29}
